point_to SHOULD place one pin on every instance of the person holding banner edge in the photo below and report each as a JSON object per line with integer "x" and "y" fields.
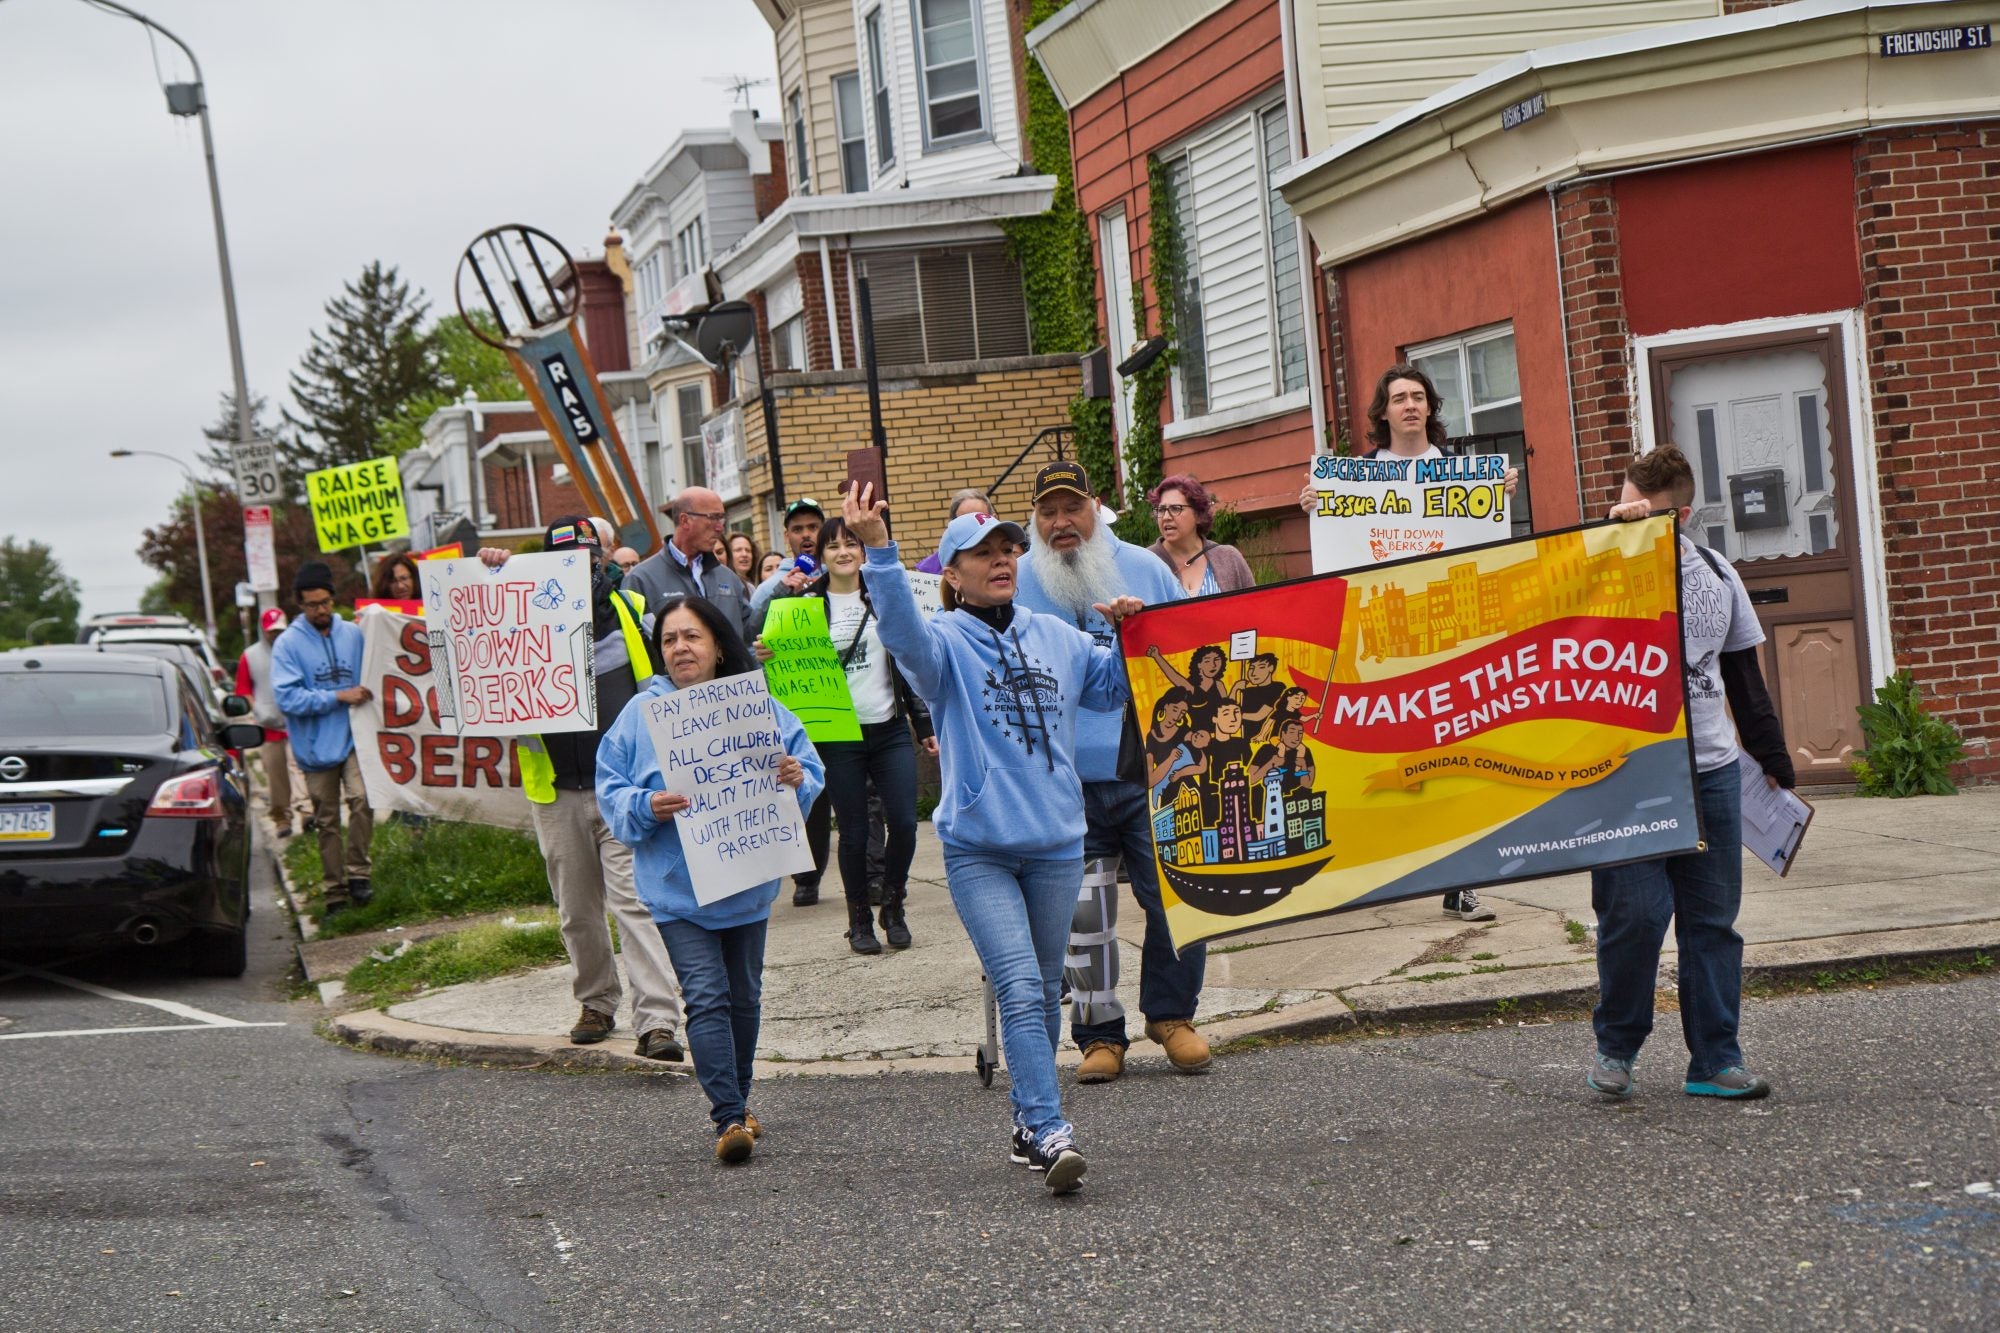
{"x": 316, "y": 678}
{"x": 1701, "y": 891}
{"x": 718, "y": 948}
{"x": 590, "y": 871}
{"x": 1004, "y": 685}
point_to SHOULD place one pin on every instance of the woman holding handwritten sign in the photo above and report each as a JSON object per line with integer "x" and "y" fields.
{"x": 718, "y": 947}
{"x": 1004, "y": 685}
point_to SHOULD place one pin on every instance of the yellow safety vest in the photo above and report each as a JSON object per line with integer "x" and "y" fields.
{"x": 538, "y": 771}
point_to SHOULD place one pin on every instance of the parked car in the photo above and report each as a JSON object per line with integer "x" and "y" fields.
{"x": 184, "y": 658}
{"x": 121, "y": 818}
{"x": 96, "y": 625}
{"x": 186, "y": 636}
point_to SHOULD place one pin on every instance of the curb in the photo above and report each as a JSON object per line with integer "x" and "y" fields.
{"x": 1558, "y": 985}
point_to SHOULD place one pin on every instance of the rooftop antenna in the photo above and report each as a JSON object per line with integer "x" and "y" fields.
{"x": 739, "y": 85}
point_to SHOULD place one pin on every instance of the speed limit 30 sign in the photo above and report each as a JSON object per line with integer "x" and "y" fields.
{"x": 256, "y": 472}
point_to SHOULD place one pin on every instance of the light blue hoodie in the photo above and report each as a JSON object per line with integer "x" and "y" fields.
{"x": 628, "y": 773}
{"x": 1141, "y": 574}
{"x": 1005, "y": 706}
{"x": 307, "y": 667}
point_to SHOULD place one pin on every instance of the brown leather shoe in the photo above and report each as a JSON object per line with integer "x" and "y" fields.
{"x": 733, "y": 1145}
{"x": 1187, "y": 1048}
{"x": 660, "y": 1044}
{"x": 591, "y": 1028}
{"x": 750, "y": 1123}
{"x": 1103, "y": 1061}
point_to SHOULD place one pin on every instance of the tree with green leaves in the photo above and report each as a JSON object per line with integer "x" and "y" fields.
{"x": 464, "y": 362}
{"x": 218, "y": 460}
{"x": 38, "y": 602}
{"x": 373, "y": 357}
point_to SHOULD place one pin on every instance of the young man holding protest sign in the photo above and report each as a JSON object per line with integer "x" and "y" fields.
{"x": 316, "y": 678}
{"x": 1077, "y": 564}
{"x": 590, "y": 872}
{"x": 1006, "y": 687}
{"x": 716, "y": 939}
{"x": 1406, "y": 420}
{"x": 1700, "y": 891}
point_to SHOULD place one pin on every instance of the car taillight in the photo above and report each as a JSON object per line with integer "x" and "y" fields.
{"x": 189, "y": 796}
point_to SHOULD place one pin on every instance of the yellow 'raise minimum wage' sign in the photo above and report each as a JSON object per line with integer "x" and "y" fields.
{"x": 357, "y": 504}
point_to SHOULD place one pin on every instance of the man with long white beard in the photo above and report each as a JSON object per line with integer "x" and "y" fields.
{"x": 1076, "y": 563}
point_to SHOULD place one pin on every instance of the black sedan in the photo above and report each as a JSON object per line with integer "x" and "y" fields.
{"x": 122, "y": 819}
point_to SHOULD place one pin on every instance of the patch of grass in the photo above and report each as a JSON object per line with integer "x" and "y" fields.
{"x": 474, "y": 954}
{"x": 1881, "y": 972}
{"x": 1497, "y": 967}
{"x": 1505, "y": 1006}
{"x": 1576, "y": 930}
{"x": 431, "y": 870}
{"x": 1445, "y": 958}
{"x": 1483, "y": 957}
{"x": 1437, "y": 976}
{"x": 1239, "y": 947}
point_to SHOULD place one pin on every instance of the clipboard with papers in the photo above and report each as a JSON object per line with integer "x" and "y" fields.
{"x": 1775, "y": 820}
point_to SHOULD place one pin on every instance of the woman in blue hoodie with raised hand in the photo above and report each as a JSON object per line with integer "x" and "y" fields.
{"x": 1004, "y": 685}
{"x": 717, "y": 949}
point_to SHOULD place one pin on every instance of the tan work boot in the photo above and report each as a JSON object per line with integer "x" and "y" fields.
{"x": 1103, "y": 1061}
{"x": 1187, "y": 1048}
{"x": 733, "y": 1145}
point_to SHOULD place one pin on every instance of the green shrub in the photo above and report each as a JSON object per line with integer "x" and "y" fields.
{"x": 433, "y": 869}
{"x": 1910, "y": 753}
{"x": 483, "y": 951}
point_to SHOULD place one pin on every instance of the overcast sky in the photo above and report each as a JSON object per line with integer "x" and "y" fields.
{"x": 345, "y": 131}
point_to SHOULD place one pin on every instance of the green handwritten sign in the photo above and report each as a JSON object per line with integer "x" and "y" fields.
{"x": 804, "y": 671}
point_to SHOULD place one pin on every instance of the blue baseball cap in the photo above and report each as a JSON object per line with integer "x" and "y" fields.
{"x": 968, "y": 530}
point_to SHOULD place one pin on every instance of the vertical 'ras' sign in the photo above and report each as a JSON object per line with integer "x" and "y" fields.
{"x": 512, "y": 647}
{"x": 357, "y": 504}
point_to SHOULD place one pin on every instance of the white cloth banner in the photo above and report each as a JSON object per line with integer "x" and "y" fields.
{"x": 409, "y": 760}
{"x": 1377, "y": 509}
{"x": 719, "y": 746}
{"x": 515, "y": 644}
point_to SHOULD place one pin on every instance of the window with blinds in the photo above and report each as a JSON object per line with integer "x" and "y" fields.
{"x": 1240, "y": 297}
{"x": 935, "y": 306}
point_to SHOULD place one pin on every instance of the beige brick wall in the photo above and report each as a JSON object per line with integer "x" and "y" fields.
{"x": 948, "y": 427}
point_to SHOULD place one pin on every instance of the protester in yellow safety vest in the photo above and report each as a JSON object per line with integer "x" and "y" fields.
{"x": 589, "y": 870}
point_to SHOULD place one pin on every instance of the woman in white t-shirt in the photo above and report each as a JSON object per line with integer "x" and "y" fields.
{"x": 884, "y": 757}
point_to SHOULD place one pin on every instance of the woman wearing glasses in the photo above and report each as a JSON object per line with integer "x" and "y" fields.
{"x": 1185, "y": 513}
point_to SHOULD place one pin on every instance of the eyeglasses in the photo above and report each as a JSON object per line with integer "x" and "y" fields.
{"x": 316, "y": 604}
{"x": 1170, "y": 511}
{"x": 716, "y": 517}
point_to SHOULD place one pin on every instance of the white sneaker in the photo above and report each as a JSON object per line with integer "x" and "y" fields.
{"x": 1471, "y": 909}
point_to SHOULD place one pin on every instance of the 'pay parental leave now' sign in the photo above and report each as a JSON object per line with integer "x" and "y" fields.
{"x": 357, "y": 504}
{"x": 512, "y": 647}
{"x": 719, "y": 745}
{"x": 1385, "y": 508}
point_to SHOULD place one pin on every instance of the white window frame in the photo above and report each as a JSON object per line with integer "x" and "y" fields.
{"x": 789, "y": 334}
{"x": 691, "y": 474}
{"x": 797, "y": 142}
{"x": 984, "y": 134}
{"x": 860, "y": 135}
{"x": 1278, "y": 400}
{"x": 1462, "y": 343}
{"x": 690, "y": 249}
{"x": 881, "y": 104}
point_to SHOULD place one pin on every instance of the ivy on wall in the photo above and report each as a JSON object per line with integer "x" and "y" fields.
{"x": 1058, "y": 272}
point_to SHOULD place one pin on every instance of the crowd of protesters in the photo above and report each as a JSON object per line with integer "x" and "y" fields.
{"x": 1049, "y": 780}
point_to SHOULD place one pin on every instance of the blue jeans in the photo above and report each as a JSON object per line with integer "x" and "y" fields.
{"x": 1017, "y": 911}
{"x": 722, "y": 985}
{"x": 1701, "y": 892}
{"x": 886, "y": 758}
{"x": 1118, "y": 822}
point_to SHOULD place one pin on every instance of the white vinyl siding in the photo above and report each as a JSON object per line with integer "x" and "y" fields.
{"x": 1241, "y": 294}
{"x": 1230, "y": 251}
{"x": 1362, "y": 61}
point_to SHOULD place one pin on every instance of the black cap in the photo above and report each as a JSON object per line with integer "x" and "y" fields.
{"x": 1062, "y": 475}
{"x": 801, "y": 505}
{"x": 312, "y": 574}
{"x": 569, "y": 532}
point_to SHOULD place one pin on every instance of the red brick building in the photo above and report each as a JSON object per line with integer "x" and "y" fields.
{"x": 1772, "y": 237}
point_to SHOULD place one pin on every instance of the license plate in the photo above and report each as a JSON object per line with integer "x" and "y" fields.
{"x": 27, "y": 823}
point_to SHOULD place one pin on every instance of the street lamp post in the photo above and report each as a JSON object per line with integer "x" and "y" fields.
{"x": 200, "y": 542}
{"x": 191, "y": 99}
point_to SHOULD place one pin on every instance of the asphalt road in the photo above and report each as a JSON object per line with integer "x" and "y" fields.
{"x": 225, "y": 1178}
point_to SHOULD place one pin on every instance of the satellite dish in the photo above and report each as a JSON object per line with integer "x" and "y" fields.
{"x": 727, "y": 328}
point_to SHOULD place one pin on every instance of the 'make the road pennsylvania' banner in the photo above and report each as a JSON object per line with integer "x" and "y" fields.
{"x": 1457, "y": 720}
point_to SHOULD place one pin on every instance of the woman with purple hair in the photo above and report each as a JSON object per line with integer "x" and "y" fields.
{"x": 1186, "y": 514}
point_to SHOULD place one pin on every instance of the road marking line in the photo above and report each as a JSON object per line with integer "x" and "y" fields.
{"x": 174, "y": 1007}
{"x": 108, "y": 1032}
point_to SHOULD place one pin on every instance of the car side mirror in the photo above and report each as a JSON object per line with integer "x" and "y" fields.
{"x": 241, "y": 735}
{"x": 236, "y": 705}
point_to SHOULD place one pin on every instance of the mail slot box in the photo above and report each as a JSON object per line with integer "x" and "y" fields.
{"x": 1758, "y": 499}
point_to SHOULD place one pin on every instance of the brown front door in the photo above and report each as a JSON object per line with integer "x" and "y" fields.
{"x": 1764, "y": 421}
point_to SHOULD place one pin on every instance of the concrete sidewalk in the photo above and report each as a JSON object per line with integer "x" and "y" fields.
{"x": 1877, "y": 879}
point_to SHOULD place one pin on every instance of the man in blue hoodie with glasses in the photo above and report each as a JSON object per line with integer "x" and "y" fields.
{"x": 316, "y": 676}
